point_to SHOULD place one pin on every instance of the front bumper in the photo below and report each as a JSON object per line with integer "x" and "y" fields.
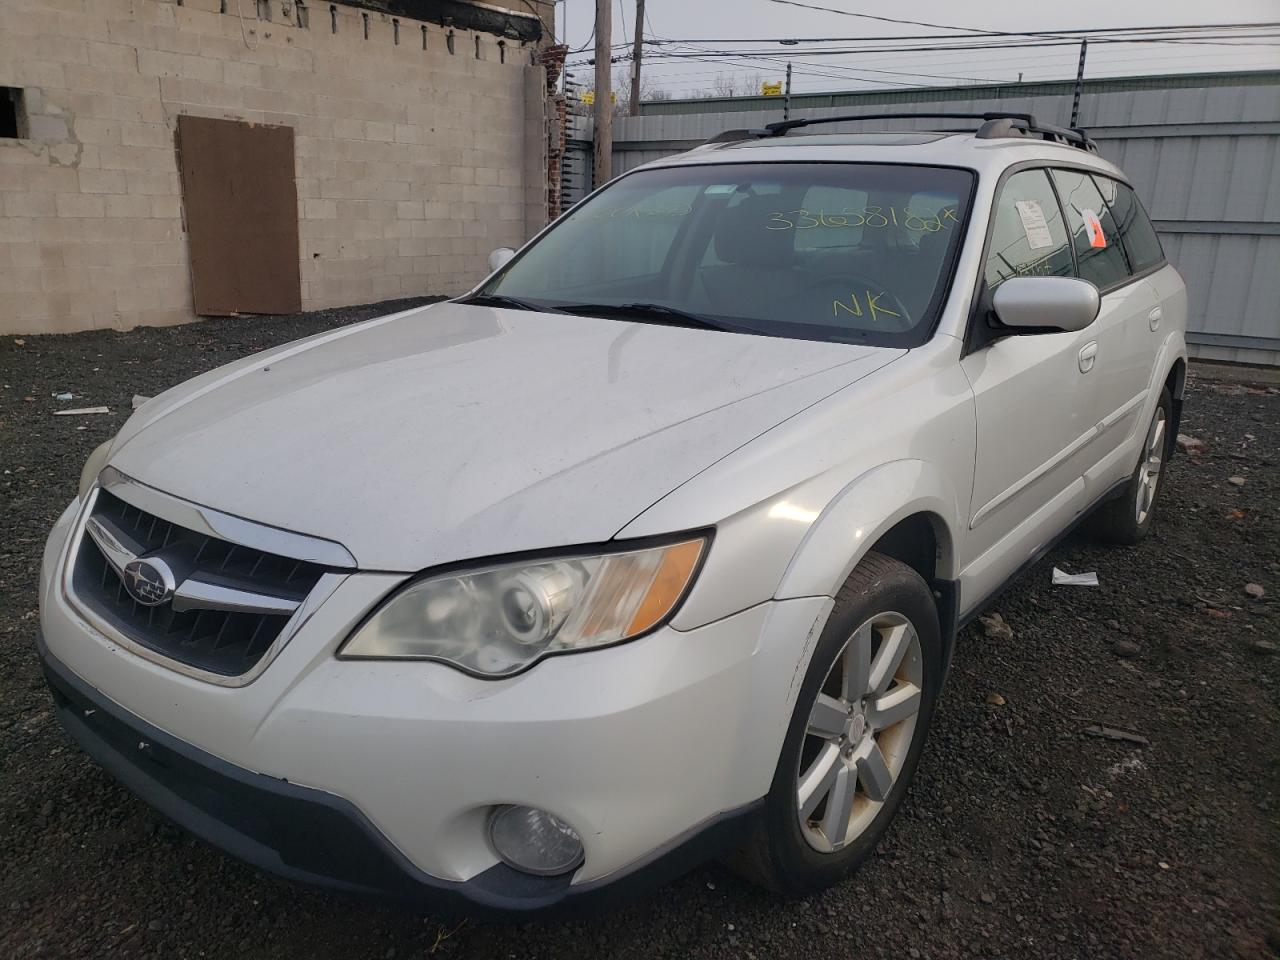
{"x": 311, "y": 836}
{"x": 378, "y": 776}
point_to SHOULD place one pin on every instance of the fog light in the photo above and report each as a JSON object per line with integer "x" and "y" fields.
{"x": 534, "y": 841}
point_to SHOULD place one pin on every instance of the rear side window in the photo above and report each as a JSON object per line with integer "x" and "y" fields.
{"x": 1029, "y": 238}
{"x": 1136, "y": 232}
{"x": 1093, "y": 230}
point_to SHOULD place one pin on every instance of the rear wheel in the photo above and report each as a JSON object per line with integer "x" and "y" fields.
{"x": 1128, "y": 518}
{"x": 856, "y": 733}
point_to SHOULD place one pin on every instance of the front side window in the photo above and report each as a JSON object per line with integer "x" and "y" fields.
{"x": 844, "y": 252}
{"x": 1099, "y": 253}
{"x": 1028, "y": 237}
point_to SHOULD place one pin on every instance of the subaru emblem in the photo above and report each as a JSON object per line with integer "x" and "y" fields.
{"x": 149, "y": 581}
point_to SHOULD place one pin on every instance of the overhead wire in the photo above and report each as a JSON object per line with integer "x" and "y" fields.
{"x": 668, "y": 51}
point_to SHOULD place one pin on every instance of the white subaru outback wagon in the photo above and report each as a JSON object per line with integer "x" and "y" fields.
{"x": 650, "y": 549}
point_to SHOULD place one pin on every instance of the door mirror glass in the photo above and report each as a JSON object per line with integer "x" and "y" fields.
{"x": 1046, "y": 304}
{"x": 499, "y": 258}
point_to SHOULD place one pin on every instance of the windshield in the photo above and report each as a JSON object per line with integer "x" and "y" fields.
{"x": 844, "y": 252}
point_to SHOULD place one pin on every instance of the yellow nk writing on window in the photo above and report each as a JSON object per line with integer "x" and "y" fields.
{"x": 854, "y": 306}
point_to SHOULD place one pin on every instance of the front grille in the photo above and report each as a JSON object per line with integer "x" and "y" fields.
{"x": 224, "y": 642}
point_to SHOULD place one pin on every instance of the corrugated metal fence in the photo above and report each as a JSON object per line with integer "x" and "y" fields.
{"x": 1203, "y": 152}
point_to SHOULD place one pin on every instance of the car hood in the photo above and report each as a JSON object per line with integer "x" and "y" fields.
{"x": 453, "y": 431}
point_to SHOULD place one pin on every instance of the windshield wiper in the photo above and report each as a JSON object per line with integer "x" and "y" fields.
{"x": 650, "y": 312}
{"x": 510, "y": 303}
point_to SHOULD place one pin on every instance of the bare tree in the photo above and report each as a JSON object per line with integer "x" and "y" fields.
{"x": 724, "y": 85}
{"x": 649, "y": 90}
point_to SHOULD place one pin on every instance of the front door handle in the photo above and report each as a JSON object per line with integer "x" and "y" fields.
{"x": 1154, "y": 317}
{"x": 1088, "y": 353}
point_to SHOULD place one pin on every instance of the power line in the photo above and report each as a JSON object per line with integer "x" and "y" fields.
{"x": 1015, "y": 45}
{"x": 846, "y": 68}
{"x": 1067, "y": 32}
{"x": 976, "y": 30}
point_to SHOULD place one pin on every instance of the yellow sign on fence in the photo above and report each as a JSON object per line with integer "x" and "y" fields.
{"x": 773, "y": 89}
{"x": 589, "y": 98}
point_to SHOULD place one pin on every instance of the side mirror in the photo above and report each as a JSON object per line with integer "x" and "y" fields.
{"x": 1046, "y": 304}
{"x": 499, "y": 258}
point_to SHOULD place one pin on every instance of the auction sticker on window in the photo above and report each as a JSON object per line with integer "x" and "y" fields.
{"x": 1033, "y": 224}
{"x": 1094, "y": 226}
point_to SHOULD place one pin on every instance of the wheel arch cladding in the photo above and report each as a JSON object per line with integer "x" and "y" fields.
{"x": 1176, "y": 384}
{"x": 1176, "y": 381}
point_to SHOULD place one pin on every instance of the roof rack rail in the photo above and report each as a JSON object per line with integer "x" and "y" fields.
{"x": 994, "y": 125}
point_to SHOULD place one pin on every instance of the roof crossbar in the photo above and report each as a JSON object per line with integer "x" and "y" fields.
{"x": 995, "y": 124}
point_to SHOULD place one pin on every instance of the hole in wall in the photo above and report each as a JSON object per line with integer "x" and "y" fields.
{"x": 424, "y": 36}
{"x": 365, "y": 18}
{"x": 448, "y": 41}
{"x": 333, "y": 18}
{"x": 303, "y": 15}
{"x": 13, "y": 113}
{"x": 264, "y": 10}
{"x": 477, "y": 46}
{"x": 395, "y": 32}
{"x": 502, "y": 51}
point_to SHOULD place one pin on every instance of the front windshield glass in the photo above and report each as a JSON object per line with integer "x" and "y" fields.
{"x": 846, "y": 252}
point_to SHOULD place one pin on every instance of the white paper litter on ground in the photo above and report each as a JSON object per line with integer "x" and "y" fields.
{"x": 80, "y": 410}
{"x": 1061, "y": 579}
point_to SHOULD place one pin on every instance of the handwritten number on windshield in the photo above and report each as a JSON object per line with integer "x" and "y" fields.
{"x": 874, "y": 217}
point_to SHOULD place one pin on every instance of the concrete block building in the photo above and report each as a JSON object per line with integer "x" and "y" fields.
{"x": 163, "y": 159}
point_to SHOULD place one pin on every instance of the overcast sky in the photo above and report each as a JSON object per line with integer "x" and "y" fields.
{"x": 761, "y": 20}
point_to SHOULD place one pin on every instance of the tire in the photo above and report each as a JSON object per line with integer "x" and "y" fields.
{"x": 882, "y": 606}
{"x": 1128, "y": 518}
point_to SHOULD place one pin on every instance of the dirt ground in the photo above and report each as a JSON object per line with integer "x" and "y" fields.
{"x": 1023, "y": 836}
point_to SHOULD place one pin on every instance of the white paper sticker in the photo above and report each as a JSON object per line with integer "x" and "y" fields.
{"x": 1033, "y": 224}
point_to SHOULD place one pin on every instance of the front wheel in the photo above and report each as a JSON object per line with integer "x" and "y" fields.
{"x": 856, "y": 733}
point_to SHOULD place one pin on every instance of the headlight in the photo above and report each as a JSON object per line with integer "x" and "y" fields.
{"x": 498, "y": 620}
{"x": 93, "y": 466}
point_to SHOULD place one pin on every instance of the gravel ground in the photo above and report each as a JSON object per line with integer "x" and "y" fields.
{"x": 1023, "y": 836}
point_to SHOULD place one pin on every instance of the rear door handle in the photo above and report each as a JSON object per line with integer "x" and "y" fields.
{"x": 1154, "y": 317}
{"x": 1088, "y": 353}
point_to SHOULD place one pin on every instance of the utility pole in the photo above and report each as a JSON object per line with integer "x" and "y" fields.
{"x": 786, "y": 96}
{"x": 603, "y": 167}
{"x": 1075, "y": 103}
{"x": 635, "y": 59}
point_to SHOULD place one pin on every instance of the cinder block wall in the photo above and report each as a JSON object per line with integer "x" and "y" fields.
{"x": 412, "y": 164}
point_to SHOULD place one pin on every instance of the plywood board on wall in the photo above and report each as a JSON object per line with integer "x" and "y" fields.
{"x": 241, "y": 207}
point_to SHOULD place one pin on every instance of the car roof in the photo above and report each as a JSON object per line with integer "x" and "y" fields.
{"x": 935, "y": 148}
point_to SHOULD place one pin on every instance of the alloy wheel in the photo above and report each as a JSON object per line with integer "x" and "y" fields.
{"x": 1149, "y": 469}
{"x": 859, "y": 731}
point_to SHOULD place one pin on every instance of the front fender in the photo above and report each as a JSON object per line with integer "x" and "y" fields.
{"x": 861, "y": 513}
{"x": 805, "y": 541}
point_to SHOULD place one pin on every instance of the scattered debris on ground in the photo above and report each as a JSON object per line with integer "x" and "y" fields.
{"x": 1062, "y": 579}
{"x": 81, "y": 411}
{"x": 1119, "y": 736}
